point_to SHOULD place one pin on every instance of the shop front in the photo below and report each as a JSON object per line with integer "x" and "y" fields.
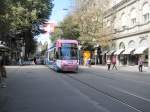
{"x": 120, "y": 57}
{"x": 129, "y": 57}
{"x": 142, "y": 52}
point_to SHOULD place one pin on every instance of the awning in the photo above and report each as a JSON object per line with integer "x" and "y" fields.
{"x": 128, "y": 51}
{"x": 4, "y": 48}
{"x": 104, "y": 52}
{"x": 118, "y": 51}
{"x": 111, "y": 52}
{"x": 140, "y": 50}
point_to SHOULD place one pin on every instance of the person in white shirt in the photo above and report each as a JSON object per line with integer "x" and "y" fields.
{"x": 108, "y": 63}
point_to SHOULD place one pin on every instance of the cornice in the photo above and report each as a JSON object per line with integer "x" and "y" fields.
{"x": 123, "y": 4}
{"x": 130, "y": 34}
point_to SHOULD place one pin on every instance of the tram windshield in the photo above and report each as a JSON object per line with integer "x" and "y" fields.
{"x": 69, "y": 52}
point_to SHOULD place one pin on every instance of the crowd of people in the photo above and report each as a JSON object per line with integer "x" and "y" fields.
{"x": 111, "y": 63}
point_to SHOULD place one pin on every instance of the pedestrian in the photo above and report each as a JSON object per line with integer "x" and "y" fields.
{"x": 3, "y": 75}
{"x": 34, "y": 60}
{"x": 89, "y": 62}
{"x": 140, "y": 64}
{"x": 20, "y": 61}
{"x": 108, "y": 63}
{"x": 114, "y": 63}
{"x": 81, "y": 60}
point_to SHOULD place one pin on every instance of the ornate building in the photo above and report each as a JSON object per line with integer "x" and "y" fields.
{"x": 130, "y": 22}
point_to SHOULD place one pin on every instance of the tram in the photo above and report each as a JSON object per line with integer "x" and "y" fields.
{"x": 63, "y": 55}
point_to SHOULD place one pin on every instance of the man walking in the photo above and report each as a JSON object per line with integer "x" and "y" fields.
{"x": 140, "y": 63}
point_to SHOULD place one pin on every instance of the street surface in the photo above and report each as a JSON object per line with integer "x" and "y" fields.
{"x": 40, "y": 89}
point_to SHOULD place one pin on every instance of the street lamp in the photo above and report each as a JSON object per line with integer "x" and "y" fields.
{"x": 79, "y": 53}
{"x": 65, "y": 9}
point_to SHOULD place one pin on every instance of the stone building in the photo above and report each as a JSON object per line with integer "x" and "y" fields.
{"x": 130, "y": 22}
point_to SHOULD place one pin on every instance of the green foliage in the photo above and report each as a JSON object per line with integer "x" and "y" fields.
{"x": 70, "y": 28}
{"x": 44, "y": 49}
{"x": 56, "y": 35}
{"x": 18, "y": 16}
{"x": 90, "y": 16}
{"x": 4, "y": 20}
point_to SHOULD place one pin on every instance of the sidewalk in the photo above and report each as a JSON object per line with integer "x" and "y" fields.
{"x": 123, "y": 68}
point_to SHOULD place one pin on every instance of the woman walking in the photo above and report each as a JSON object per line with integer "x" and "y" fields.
{"x": 114, "y": 63}
{"x": 108, "y": 63}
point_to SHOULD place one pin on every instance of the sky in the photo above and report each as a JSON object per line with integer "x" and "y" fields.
{"x": 58, "y": 13}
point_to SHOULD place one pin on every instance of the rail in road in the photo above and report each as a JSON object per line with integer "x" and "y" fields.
{"x": 106, "y": 95}
{"x": 124, "y": 96}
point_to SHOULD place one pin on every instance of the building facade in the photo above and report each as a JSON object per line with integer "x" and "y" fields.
{"x": 130, "y": 22}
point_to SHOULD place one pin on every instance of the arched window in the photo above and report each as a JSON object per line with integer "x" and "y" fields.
{"x": 133, "y": 16}
{"x": 113, "y": 46}
{"x": 143, "y": 43}
{"x": 121, "y": 46}
{"x": 123, "y": 20}
{"x": 146, "y": 13}
{"x": 131, "y": 44}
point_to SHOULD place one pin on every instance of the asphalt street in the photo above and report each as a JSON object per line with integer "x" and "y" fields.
{"x": 40, "y": 89}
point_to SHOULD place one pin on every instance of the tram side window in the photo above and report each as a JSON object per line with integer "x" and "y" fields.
{"x": 52, "y": 55}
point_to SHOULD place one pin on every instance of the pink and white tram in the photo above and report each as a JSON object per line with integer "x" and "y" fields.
{"x": 63, "y": 55}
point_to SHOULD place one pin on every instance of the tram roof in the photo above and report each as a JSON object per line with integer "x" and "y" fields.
{"x": 67, "y": 41}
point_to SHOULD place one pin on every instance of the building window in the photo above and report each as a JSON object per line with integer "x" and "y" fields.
{"x": 123, "y": 20}
{"x": 121, "y": 46}
{"x": 133, "y": 16}
{"x": 133, "y": 21}
{"x": 146, "y": 17}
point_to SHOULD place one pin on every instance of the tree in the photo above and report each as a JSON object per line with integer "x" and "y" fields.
{"x": 44, "y": 49}
{"x": 70, "y": 28}
{"x": 56, "y": 35}
{"x": 67, "y": 29}
{"x": 4, "y": 13}
{"x": 90, "y": 15}
{"x": 18, "y": 18}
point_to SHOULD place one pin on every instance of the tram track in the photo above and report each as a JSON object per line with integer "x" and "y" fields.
{"x": 113, "y": 78}
{"x": 105, "y": 93}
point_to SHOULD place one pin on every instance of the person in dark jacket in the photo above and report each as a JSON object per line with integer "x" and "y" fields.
{"x": 140, "y": 64}
{"x": 34, "y": 60}
{"x": 3, "y": 75}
